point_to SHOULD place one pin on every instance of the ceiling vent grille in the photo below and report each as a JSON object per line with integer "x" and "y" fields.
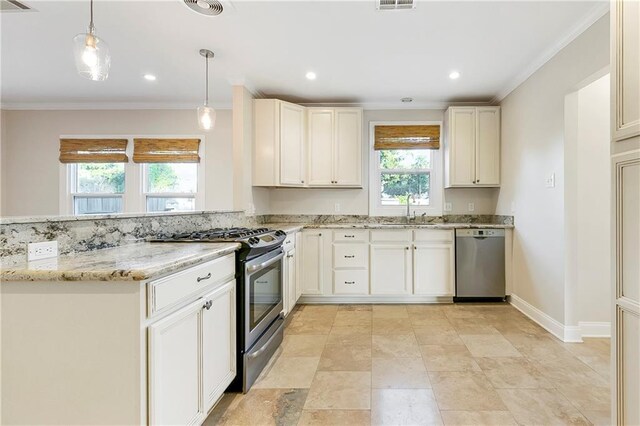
{"x": 13, "y": 6}
{"x": 395, "y": 4}
{"x": 205, "y": 7}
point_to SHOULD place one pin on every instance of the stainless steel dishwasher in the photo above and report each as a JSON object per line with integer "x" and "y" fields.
{"x": 479, "y": 264}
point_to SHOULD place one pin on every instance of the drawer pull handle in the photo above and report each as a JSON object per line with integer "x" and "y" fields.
{"x": 204, "y": 278}
{"x": 349, "y": 282}
{"x": 349, "y": 236}
{"x": 208, "y": 304}
{"x": 350, "y": 256}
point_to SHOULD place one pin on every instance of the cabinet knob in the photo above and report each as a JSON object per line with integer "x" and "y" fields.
{"x": 301, "y": 181}
{"x": 406, "y": 248}
{"x": 208, "y": 305}
{"x": 478, "y": 181}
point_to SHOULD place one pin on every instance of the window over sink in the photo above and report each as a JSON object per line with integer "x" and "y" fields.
{"x": 405, "y": 167}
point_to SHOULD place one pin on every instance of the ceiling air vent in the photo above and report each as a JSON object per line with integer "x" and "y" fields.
{"x": 13, "y": 6}
{"x": 205, "y": 7}
{"x": 395, "y": 4}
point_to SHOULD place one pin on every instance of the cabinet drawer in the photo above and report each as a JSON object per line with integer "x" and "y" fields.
{"x": 351, "y": 282}
{"x": 391, "y": 235}
{"x": 350, "y": 256}
{"x": 289, "y": 242}
{"x": 438, "y": 235}
{"x": 172, "y": 289}
{"x": 360, "y": 235}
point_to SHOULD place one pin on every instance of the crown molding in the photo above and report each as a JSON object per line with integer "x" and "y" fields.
{"x": 26, "y": 106}
{"x": 599, "y": 10}
{"x": 394, "y": 105}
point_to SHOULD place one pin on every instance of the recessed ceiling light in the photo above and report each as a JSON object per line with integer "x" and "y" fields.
{"x": 407, "y": 100}
{"x": 454, "y": 75}
{"x": 150, "y": 77}
{"x": 311, "y": 75}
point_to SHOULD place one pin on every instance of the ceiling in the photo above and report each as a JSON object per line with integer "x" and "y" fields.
{"x": 360, "y": 55}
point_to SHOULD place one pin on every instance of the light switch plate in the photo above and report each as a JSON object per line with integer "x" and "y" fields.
{"x": 550, "y": 181}
{"x": 448, "y": 207}
{"x": 336, "y": 207}
{"x": 44, "y": 250}
{"x": 472, "y": 207}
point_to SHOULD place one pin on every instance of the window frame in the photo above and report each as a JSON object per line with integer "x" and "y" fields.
{"x": 376, "y": 208}
{"x": 134, "y": 198}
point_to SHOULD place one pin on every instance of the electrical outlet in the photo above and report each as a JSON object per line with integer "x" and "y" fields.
{"x": 550, "y": 181}
{"x": 45, "y": 250}
{"x": 448, "y": 207}
{"x": 336, "y": 207}
{"x": 472, "y": 206}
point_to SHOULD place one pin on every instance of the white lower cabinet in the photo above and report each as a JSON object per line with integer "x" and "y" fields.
{"x": 390, "y": 269}
{"x": 433, "y": 269}
{"x": 312, "y": 262}
{"x": 290, "y": 275}
{"x": 192, "y": 358}
{"x": 380, "y": 264}
{"x": 174, "y": 368}
{"x": 218, "y": 342}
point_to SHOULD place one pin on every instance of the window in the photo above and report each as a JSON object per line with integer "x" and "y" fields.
{"x": 98, "y": 178}
{"x": 97, "y": 188}
{"x": 405, "y": 162}
{"x": 171, "y": 186}
{"x": 404, "y": 173}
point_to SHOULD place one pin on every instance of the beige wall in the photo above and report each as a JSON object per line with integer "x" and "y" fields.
{"x": 356, "y": 201}
{"x": 587, "y": 203}
{"x": 532, "y": 148}
{"x": 30, "y": 167}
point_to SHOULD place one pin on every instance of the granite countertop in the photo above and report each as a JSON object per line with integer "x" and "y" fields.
{"x": 131, "y": 262}
{"x": 293, "y": 227}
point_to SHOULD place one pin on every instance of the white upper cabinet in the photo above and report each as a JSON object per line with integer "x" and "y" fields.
{"x": 292, "y": 164}
{"x": 335, "y": 147}
{"x": 625, "y": 69}
{"x": 321, "y": 124}
{"x": 472, "y": 147}
{"x": 279, "y": 154}
{"x": 348, "y": 147}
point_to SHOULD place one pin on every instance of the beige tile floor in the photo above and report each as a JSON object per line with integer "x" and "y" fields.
{"x": 468, "y": 364}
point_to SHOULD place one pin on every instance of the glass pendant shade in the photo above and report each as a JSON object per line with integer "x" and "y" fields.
{"x": 92, "y": 56}
{"x": 206, "y": 117}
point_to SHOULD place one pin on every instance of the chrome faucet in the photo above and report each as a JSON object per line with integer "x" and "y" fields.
{"x": 409, "y": 196}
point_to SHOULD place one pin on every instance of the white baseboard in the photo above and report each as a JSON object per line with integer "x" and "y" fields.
{"x": 595, "y": 329}
{"x": 545, "y": 321}
{"x": 369, "y": 299}
{"x": 566, "y": 333}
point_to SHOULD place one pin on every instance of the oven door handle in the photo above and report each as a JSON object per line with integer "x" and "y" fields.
{"x": 266, "y": 345}
{"x": 255, "y": 268}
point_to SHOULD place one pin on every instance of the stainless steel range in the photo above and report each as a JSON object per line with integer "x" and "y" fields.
{"x": 259, "y": 306}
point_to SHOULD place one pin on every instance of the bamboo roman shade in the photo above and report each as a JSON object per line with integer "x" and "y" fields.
{"x": 166, "y": 150}
{"x": 93, "y": 151}
{"x": 407, "y": 137}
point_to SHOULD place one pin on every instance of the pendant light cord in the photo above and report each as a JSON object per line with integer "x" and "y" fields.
{"x": 206, "y": 80}
{"x": 91, "y": 27}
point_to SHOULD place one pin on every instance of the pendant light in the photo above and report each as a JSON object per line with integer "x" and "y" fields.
{"x": 91, "y": 54}
{"x": 206, "y": 114}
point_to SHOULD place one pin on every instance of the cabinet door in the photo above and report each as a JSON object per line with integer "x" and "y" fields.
{"x": 291, "y": 144}
{"x": 312, "y": 262}
{"x": 462, "y": 135}
{"x": 298, "y": 265}
{"x": 625, "y": 68}
{"x": 348, "y": 147}
{"x": 218, "y": 342}
{"x": 433, "y": 269}
{"x": 291, "y": 279}
{"x": 321, "y": 147}
{"x": 487, "y": 146}
{"x": 390, "y": 269}
{"x": 174, "y": 368}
